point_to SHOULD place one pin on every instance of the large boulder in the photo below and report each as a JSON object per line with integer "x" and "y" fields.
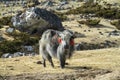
{"x": 35, "y": 21}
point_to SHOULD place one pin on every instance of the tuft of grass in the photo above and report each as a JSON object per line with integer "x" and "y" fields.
{"x": 6, "y": 20}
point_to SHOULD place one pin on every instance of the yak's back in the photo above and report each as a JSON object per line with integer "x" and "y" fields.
{"x": 50, "y": 36}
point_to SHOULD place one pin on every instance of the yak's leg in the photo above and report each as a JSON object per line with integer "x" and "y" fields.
{"x": 50, "y": 60}
{"x": 51, "y": 54}
{"x": 62, "y": 60}
{"x": 44, "y": 63}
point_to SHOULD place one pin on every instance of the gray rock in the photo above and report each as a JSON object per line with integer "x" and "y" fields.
{"x": 7, "y": 55}
{"x": 35, "y": 21}
{"x": 31, "y": 54}
{"x": 29, "y": 48}
{"x": 114, "y": 33}
{"x": 18, "y": 54}
{"x": 10, "y": 30}
{"x": 11, "y": 56}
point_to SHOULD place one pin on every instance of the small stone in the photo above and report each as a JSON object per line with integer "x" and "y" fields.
{"x": 39, "y": 62}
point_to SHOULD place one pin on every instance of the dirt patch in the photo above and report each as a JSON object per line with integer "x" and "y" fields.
{"x": 81, "y": 73}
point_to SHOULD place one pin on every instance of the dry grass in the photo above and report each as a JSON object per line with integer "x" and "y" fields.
{"x": 103, "y": 59}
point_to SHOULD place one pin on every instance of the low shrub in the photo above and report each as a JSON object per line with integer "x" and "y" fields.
{"x": 1, "y": 54}
{"x": 98, "y": 10}
{"x": 109, "y": 13}
{"x": 35, "y": 2}
{"x": 85, "y": 9}
{"x": 6, "y": 20}
{"x": 91, "y": 22}
{"x": 20, "y": 39}
{"x": 1, "y": 26}
{"x": 25, "y": 38}
{"x": 81, "y": 22}
{"x": 15, "y": 45}
{"x": 116, "y": 24}
{"x": 10, "y": 46}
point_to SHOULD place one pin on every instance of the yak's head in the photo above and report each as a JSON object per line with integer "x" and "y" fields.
{"x": 66, "y": 41}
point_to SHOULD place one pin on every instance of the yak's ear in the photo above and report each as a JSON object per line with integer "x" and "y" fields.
{"x": 52, "y": 33}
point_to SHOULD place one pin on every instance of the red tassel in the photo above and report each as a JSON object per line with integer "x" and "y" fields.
{"x": 72, "y": 42}
{"x": 59, "y": 40}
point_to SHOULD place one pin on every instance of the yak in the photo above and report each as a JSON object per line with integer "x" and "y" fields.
{"x": 56, "y": 44}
